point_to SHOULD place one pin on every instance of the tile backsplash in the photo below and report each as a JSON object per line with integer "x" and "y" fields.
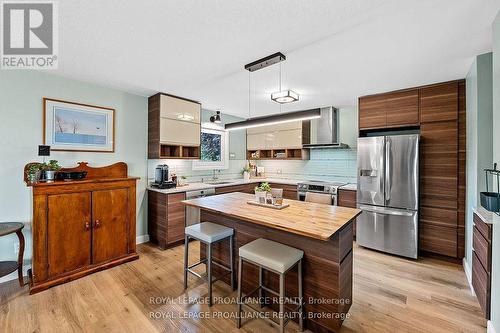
{"x": 185, "y": 168}
{"x": 324, "y": 164}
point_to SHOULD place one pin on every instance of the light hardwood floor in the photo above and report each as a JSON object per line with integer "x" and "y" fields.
{"x": 390, "y": 295}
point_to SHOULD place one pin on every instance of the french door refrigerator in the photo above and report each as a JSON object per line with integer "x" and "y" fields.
{"x": 388, "y": 194}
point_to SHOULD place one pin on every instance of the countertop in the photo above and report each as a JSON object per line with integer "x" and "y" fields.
{"x": 303, "y": 218}
{"x": 350, "y": 186}
{"x": 202, "y": 186}
{"x": 485, "y": 215}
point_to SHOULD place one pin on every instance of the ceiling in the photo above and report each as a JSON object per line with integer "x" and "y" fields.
{"x": 336, "y": 50}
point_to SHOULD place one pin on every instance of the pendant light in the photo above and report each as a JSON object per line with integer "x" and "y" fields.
{"x": 284, "y": 96}
{"x": 281, "y": 97}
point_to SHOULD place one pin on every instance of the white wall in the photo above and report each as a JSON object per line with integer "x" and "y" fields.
{"x": 495, "y": 275}
{"x": 479, "y": 108}
{"x": 21, "y": 112}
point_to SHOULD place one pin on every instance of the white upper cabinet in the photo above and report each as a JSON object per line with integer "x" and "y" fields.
{"x": 182, "y": 133}
{"x": 280, "y": 136}
{"x": 294, "y": 125}
{"x": 288, "y": 139}
{"x": 179, "y": 109}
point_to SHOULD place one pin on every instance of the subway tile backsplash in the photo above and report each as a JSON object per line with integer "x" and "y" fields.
{"x": 185, "y": 168}
{"x": 324, "y": 164}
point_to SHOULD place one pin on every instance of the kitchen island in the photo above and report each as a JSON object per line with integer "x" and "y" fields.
{"x": 323, "y": 232}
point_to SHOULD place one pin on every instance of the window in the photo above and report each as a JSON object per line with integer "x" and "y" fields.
{"x": 214, "y": 149}
{"x": 211, "y": 146}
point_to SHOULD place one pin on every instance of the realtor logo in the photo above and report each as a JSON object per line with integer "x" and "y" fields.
{"x": 29, "y": 37}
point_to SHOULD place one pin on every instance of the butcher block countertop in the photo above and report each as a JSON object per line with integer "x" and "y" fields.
{"x": 312, "y": 220}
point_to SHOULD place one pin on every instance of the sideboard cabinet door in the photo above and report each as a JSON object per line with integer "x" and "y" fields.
{"x": 110, "y": 211}
{"x": 68, "y": 232}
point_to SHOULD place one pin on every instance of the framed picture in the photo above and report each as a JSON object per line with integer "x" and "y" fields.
{"x": 72, "y": 126}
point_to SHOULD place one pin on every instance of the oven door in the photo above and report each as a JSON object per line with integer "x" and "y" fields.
{"x": 302, "y": 197}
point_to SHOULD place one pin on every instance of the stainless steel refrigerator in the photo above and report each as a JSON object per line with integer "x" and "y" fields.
{"x": 388, "y": 194}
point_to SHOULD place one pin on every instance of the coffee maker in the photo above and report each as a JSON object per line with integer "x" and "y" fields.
{"x": 161, "y": 177}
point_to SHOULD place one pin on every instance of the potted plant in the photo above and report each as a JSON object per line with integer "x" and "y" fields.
{"x": 261, "y": 192}
{"x": 49, "y": 170}
{"x": 182, "y": 181}
{"x": 246, "y": 172}
{"x": 33, "y": 173}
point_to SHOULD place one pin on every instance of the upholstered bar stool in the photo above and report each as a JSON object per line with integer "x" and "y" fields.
{"x": 208, "y": 234}
{"x": 277, "y": 258}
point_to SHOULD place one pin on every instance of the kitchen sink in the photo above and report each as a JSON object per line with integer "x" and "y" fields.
{"x": 219, "y": 182}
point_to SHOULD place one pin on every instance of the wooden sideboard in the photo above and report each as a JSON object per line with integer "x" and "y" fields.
{"x": 437, "y": 111}
{"x": 81, "y": 227}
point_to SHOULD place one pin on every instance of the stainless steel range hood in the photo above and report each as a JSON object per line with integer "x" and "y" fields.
{"x": 324, "y": 132}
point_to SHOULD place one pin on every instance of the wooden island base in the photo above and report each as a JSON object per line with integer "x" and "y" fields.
{"x": 327, "y": 268}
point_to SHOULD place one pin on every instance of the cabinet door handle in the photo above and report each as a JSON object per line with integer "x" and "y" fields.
{"x": 87, "y": 226}
{"x": 97, "y": 224}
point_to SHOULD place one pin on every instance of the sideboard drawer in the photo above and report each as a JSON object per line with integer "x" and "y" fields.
{"x": 482, "y": 248}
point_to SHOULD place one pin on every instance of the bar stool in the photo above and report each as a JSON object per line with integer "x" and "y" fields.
{"x": 208, "y": 234}
{"x": 277, "y": 258}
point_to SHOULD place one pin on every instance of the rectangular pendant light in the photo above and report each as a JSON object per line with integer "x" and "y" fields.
{"x": 285, "y": 96}
{"x": 275, "y": 119}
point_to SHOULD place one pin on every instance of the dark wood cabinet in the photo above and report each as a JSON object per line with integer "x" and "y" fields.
{"x": 481, "y": 263}
{"x": 481, "y": 282}
{"x": 166, "y": 218}
{"x": 442, "y": 173}
{"x": 389, "y": 110}
{"x": 402, "y": 108}
{"x": 438, "y": 239}
{"x": 80, "y": 227}
{"x": 176, "y": 215}
{"x": 245, "y": 188}
{"x": 372, "y": 112}
{"x": 439, "y": 102}
{"x": 438, "y": 110}
{"x": 289, "y": 191}
{"x": 347, "y": 198}
{"x": 68, "y": 232}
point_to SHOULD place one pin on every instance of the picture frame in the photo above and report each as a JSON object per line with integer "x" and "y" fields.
{"x": 71, "y": 126}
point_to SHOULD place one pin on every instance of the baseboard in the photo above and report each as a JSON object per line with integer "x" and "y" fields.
{"x": 468, "y": 275}
{"x": 13, "y": 275}
{"x": 142, "y": 239}
{"x": 490, "y": 328}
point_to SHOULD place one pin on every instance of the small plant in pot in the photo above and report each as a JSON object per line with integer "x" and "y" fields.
{"x": 49, "y": 170}
{"x": 261, "y": 192}
{"x": 246, "y": 173}
{"x": 33, "y": 173}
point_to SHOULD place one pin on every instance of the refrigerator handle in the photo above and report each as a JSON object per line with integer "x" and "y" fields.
{"x": 388, "y": 183}
{"x": 385, "y": 211}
